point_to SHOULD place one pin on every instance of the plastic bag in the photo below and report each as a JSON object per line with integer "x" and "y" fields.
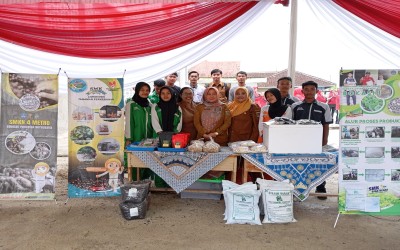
{"x": 277, "y": 197}
{"x": 228, "y": 185}
{"x": 132, "y": 211}
{"x": 135, "y": 191}
{"x": 242, "y": 205}
{"x": 211, "y": 147}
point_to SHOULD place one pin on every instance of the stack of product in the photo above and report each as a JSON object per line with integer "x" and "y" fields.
{"x": 135, "y": 199}
{"x": 242, "y": 202}
{"x": 249, "y": 146}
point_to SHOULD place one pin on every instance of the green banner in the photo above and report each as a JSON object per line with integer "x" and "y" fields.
{"x": 369, "y": 157}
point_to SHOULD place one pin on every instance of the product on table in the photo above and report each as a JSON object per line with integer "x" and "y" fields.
{"x": 195, "y": 147}
{"x": 211, "y": 147}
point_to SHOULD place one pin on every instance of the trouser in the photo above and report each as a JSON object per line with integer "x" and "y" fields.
{"x": 353, "y": 97}
{"x": 332, "y": 107}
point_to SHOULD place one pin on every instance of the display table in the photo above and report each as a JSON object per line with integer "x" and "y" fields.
{"x": 181, "y": 169}
{"x": 305, "y": 171}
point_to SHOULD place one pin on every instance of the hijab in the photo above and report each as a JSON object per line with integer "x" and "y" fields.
{"x": 143, "y": 102}
{"x": 168, "y": 110}
{"x": 217, "y": 103}
{"x": 276, "y": 109}
{"x": 238, "y": 108}
{"x": 212, "y": 112}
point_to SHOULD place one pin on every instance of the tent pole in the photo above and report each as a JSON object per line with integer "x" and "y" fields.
{"x": 293, "y": 41}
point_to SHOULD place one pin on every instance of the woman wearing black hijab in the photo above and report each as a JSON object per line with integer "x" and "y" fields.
{"x": 166, "y": 114}
{"x": 273, "y": 109}
{"x": 138, "y": 115}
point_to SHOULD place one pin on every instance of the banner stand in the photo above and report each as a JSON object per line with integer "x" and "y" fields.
{"x": 337, "y": 219}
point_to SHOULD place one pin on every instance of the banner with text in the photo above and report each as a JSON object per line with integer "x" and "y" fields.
{"x": 369, "y": 159}
{"x": 96, "y": 137}
{"x": 29, "y": 108}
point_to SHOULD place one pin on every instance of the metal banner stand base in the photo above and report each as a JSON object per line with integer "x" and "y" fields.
{"x": 337, "y": 218}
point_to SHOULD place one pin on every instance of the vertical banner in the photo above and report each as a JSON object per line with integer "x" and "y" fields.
{"x": 28, "y": 156}
{"x": 369, "y": 160}
{"x": 96, "y": 137}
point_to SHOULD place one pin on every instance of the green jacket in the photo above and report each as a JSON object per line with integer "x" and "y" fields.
{"x": 138, "y": 122}
{"x": 177, "y": 118}
{"x": 154, "y": 98}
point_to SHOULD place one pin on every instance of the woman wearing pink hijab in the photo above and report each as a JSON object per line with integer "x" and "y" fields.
{"x": 212, "y": 118}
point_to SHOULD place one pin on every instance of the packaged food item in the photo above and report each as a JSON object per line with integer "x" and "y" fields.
{"x": 240, "y": 149}
{"x": 196, "y": 147}
{"x": 211, "y": 147}
{"x": 258, "y": 148}
{"x": 200, "y": 142}
{"x": 165, "y": 139}
{"x": 180, "y": 140}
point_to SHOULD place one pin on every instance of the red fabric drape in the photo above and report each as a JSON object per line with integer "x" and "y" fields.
{"x": 382, "y": 14}
{"x": 113, "y": 30}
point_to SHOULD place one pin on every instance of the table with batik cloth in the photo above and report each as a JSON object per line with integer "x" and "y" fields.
{"x": 181, "y": 169}
{"x": 305, "y": 171}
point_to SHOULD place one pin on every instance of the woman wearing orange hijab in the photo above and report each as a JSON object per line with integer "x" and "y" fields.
{"x": 245, "y": 116}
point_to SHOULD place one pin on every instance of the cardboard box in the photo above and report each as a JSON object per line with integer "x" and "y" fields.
{"x": 292, "y": 139}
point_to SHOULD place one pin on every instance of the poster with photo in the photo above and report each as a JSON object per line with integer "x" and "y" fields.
{"x": 96, "y": 137}
{"x": 28, "y": 158}
{"x": 369, "y": 158}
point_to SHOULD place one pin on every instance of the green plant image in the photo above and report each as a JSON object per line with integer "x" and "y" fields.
{"x": 386, "y": 199}
{"x": 82, "y": 135}
{"x": 371, "y": 103}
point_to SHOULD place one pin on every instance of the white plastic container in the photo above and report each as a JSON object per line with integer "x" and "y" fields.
{"x": 292, "y": 139}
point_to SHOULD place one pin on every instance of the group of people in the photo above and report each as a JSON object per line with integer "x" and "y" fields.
{"x": 217, "y": 111}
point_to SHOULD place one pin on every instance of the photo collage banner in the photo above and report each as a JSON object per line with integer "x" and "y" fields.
{"x": 28, "y": 158}
{"x": 96, "y": 137}
{"x": 369, "y": 157}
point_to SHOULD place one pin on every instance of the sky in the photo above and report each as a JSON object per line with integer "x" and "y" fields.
{"x": 321, "y": 50}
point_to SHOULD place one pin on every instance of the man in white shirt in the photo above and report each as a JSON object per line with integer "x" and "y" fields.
{"x": 197, "y": 89}
{"x": 241, "y": 77}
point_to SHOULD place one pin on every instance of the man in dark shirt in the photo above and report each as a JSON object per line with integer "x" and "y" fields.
{"x": 284, "y": 85}
{"x": 170, "y": 82}
{"x": 312, "y": 109}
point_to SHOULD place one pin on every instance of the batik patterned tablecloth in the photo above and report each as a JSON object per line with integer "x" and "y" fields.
{"x": 180, "y": 169}
{"x": 305, "y": 171}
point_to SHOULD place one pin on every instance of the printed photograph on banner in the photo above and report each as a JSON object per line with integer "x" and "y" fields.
{"x": 350, "y": 174}
{"x": 350, "y": 132}
{"x": 350, "y": 152}
{"x": 96, "y": 125}
{"x": 374, "y": 132}
{"x": 395, "y": 133}
{"x": 29, "y": 134}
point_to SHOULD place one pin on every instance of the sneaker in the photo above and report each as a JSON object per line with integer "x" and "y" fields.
{"x": 323, "y": 191}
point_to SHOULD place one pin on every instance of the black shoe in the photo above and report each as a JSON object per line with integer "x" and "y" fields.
{"x": 321, "y": 190}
